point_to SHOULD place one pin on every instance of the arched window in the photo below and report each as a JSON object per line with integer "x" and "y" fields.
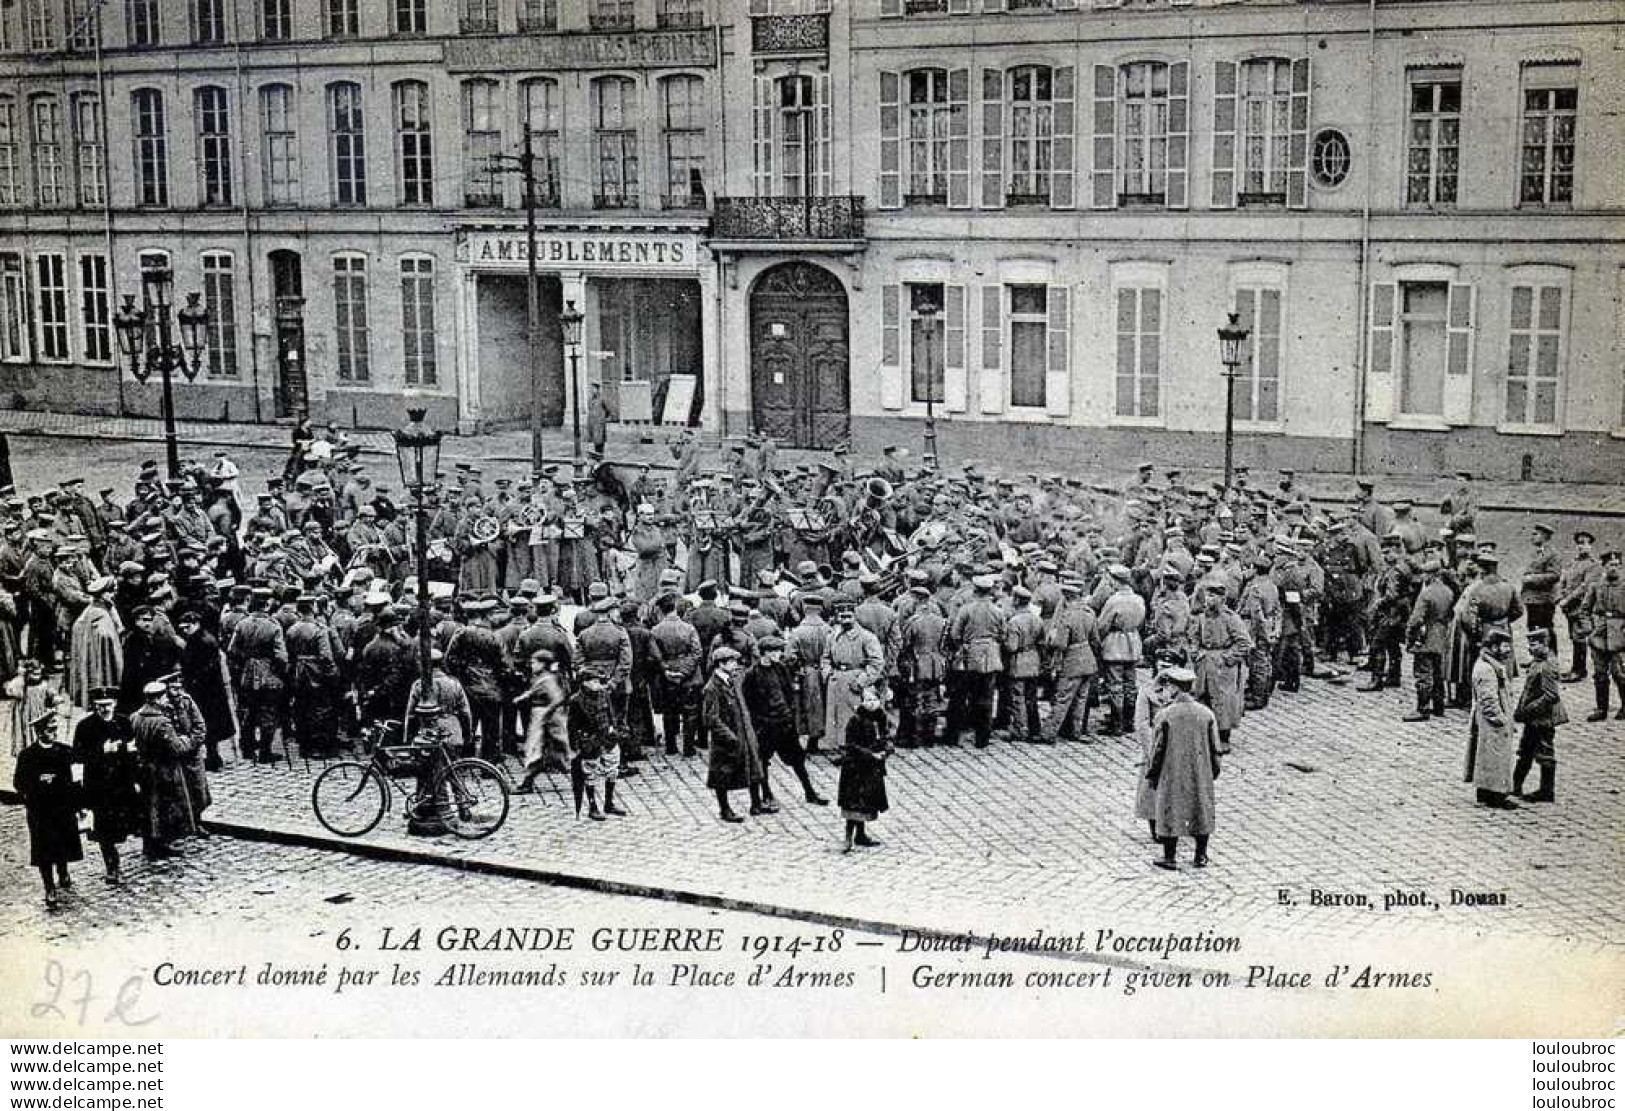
{"x": 482, "y": 142}
{"x": 151, "y": 148}
{"x": 45, "y": 125}
{"x": 277, "y": 122}
{"x": 414, "y": 142}
{"x": 615, "y": 141}
{"x": 540, "y": 98}
{"x": 210, "y": 111}
{"x": 88, "y": 162}
{"x": 348, "y": 142}
{"x": 683, "y": 115}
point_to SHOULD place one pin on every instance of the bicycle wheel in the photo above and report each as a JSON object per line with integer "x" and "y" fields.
{"x": 472, "y": 797}
{"x": 350, "y": 798}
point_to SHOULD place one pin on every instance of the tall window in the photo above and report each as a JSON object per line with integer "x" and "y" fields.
{"x": 281, "y": 145}
{"x": 220, "y": 298}
{"x": 417, "y": 320}
{"x": 611, "y": 15}
{"x": 13, "y": 308}
{"x": 350, "y": 315}
{"x": 43, "y": 30}
{"x": 1551, "y": 98}
{"x": 87, "y": 148}
{"x": 1535, "y": 362}
{"x": 538, "y": 15}
{"x": 1032, "y": 122}
{"x": 51, "y": 309}
{"x": 927, "y": 346}
{"x": 1139, "y": 351}
{"x": 930, "y": 121}
{"x": 411, "y": 17}
{"x": 1433, "y": 144}
{"x": 276, "y": 20}
{"x": 479, "y": 17}
{"x": 540, "y": 98}
{"x": 93, "y": 308}
{"x": 141, "y": 22}
{"x": 1258, "y": 378}
{"x": 1266, "y": 121}
{"x": 208, "y": 21}
{"x": 683, "y": 125}
{"x": 1144, "y": 143}
{"x": 45, "y": 117}
{"x": 8, "y": 151}
{"x": 1029, "y": 345}
{"x": 615, "y": 137}
{"x": 151, "y": 148}
{"x": 213, "y": 146}
{"x": 10, "y": 37}
{"x": 347, "y": 135}
{"x": 482, "y": 142}
{"x": 415, "y": 142}
{"x": 798, "y": 147}
{"x": 343, "y": 18}
{"x": 84, "y": 24}
{"x": 680, "y": 13}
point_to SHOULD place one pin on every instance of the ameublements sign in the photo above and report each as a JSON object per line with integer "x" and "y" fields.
{"x": 577, "y": 51}
{"x": 584, "y": 251}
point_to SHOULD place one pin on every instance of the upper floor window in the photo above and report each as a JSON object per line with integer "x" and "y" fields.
{"x": 793, "y": 7}
{"x": 414, "y": 141}
{"x": 84, "y": 24}
{"x": 208, "y": 21}
{"x": 1433, "y": 137}
{"x": 45, "y": 119}
{"x": 479, "y": 17}
{"x": 802, "y": 148}
{"x": 89, "y": 166}
{"x": 1266, "y": 116}
{"x": 281, "y": 145}
{"x": 44, "y": 31}
{"x": 615, "y": 137}
{"x": 611, "y": 15}
{"x": 411, "y": 17}
{"x": 540, "y": 98}
{"x": 141, "y": 22}
{"x": 8, "y": 151}
{"x": 151, "y": 148}
{"x": 538, "y": 15}
{"x": 343, "y": 18}
{"x": 10, "y": 36}
{"x": 276, "y": 20}
{"x": 1142, "y": 133}
{"x": 1551, "y": 98}
{"x": 930, "y": 120}
{"x": 213, "y": 146}
{"x": 1144, "y": 143}
{"x": 683, "y": 131}
{"x": 482, "y": 143}
{"x": 681, "y": 13}
{"x": 346, "y": 126}
{"x": 1032, "y": 123}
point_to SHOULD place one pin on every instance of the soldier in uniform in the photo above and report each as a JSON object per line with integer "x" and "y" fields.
{"x": 258, "y": 653}
{"x": 806, "y": 644}
{"x": 1072, "y": 644}
{"x": 1605, "y": 612}
{"x": 1389, "y": 614}
{"x": 1023, "y": 653}
{"x": 1541, "y": 575}
{"x": 853, "y": 660}
{"x": 920, "y": 669}
{"x": 1121, "y": 616}
{"x": 1578, "y": 575}
{"x": 1428, "y": 631}
{"x": 674, "y": 655}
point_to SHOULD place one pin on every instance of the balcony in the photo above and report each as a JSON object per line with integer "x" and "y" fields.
{"x": 780, "y": 219}
{"x": 789, "y": 34}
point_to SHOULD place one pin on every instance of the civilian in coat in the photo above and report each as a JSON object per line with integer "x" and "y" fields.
{"x": 104, "y": 745}
{"x": 1489, "y": 744}
{"x": 1220, "y": 645}
{"x": 547, "y": 732}
{"x": 1184, "y": 765}
{"x": 770, "y": 694}
{"x": 44, "y": 779}
{"x": 1540, "y": 711}
{"x": 735, "y": 760}
{"x": 862, "y": 789}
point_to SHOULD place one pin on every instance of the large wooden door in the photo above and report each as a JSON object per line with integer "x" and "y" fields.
{"x": 800, "y": 360}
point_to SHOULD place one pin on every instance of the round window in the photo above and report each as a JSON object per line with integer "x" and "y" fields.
{"x": 1331, "y": 158}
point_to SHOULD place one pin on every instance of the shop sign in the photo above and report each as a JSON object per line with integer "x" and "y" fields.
{"x": 588, "y": 251}
{"x": 607, "y": 50}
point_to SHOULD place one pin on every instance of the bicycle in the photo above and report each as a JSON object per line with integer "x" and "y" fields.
{"x": 468, "y": 795}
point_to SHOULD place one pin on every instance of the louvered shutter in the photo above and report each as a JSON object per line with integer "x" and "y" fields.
{"x": 1379, "y": 378}
{"x": 826, "y": 107}
{"x": 992, "y": 376}
{"x": 891, "y": 357}
{"x": 959, "y": 138}
{"x": 1297, "y": 174}
{"x": 1062, "y": 155}
{"x": 993, "y": 138}
{"x": 1058, "y": 376}
{"x": 953, "y": 362}
{"x": 891, "y": 140}
{"x": 762, "y": 179}
{"x": 1224, "y": 135}
{"x": 1461, "y": 323}
{"x": 1104, "y": 161}
{"x": 1179, "y": 134}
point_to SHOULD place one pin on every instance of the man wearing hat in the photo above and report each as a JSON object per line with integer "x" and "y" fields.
{"x": 769, "y": 689}
{"x": 112, "y": 778}
{"x": 1389, "y": 614}
{"x": 1260, "y": 608}
{"x": 1605, "y": 613}
{"x": 1541, "y": 575}
{"x": 258, "y": 654}
{"x": 1428, "y": 631}
{"x": 474, "y": 657}
{"x": 1371, "y": 513}
{"x": 1578, "y": 575}
{"x": 853, "y": 659}
{"x": 1460, "y": 507}
{"x": 735, "y": 759}
{"x": 44, "y": 779}
{"x": 313, "y": 680}
{"x": 1183, "y": 767}
{"x": 974, "y": 642}
{"x": 1122, "y": 615}
{"x": 1220, "y": 645}
{"x": 1489, "y": 604}
{"x": 674, "y": 658}
{"x": 203, "y": 677}
{"x": 920, "y": 668}
{"x": 1023, "y": 654}
{"x": 1489, "y": 743}
{"x": 95, "y": 645}
{"x": 165, "y": 752}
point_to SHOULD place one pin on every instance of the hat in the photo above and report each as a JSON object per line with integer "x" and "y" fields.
{"x": 1582, "y": 535}
{"x": 1183, "y": 676}
{"x": 722, "y": 655}
{"x": 1120, "y": 572}
{"x": 771, "y": 643}
{"x": 156, "y": 686}
{"x": 103, "y": 694}
{"x": 605, "y": 605}
{"x": 1543, "y": 528}
{"x": 982, "y": 583}
{"x": 1022, "y": 594}
{"x": 45, "y": 720}
{"x": 1497, "y": 636}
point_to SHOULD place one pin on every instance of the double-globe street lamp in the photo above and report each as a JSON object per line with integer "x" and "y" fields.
{"x": 417, "y": 450}
{"x": 570, "y": 325}
{"x": 927, "y": 311}
{"x": 146, "y": 336}
{"x": 1232, "y": 337}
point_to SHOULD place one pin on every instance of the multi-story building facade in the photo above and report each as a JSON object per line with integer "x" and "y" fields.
{"x": 821, "y": 219}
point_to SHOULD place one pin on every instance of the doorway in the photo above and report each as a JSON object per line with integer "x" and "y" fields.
{"x": 800, "y": 361}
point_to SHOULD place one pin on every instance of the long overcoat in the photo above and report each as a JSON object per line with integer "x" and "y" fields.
{"x": 1219, "y": 646}
{"x": 735, "y": 762}
{"x": 1490, "y": 744}
{"x": 113, "y": 773}
{"x": 44, "y": 779}
{"x": 1184, "y": 764}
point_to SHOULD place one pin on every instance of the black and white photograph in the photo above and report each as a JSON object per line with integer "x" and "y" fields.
{"x": 812, "y": 518}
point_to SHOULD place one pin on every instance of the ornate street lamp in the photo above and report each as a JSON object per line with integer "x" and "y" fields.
{"x": 417, "y": 450}
{"x": 927, "y": 311}
{"x": 146, "y": 336}
{"x": 1231, "y": 339}
{"x": 570, "y": 325}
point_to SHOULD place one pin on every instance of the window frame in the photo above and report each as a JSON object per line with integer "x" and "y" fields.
{"x": 626, "y": 137}
{"x": 341, "y": 19}
{"x": 279, "y": 193}
{"x": 95, "y": 312}
{"x": 1276, "y": 137}
{"x": 1042, "y": 111}
{"x": 352, "y": 341}
{"x": 695, "y": 107}
{"x": 206, "y": 21}
{"x": 1550, "y": 79}
{"x": 57, "y": 322}
{"x": 412, "y": 108}
{"x": 1145, "y": 196}
{"x": 1140, "y": 276}
{"x": 143, "y": 24}
{"x": 481, "y": 144}
{"x": 89, "y": 163}
{"x": 220, "y": 333}
{"x": 212, "y": 139}
{"x": 416, "y": 25}
{"x": 1537, "y": 279}
{"x": 538, "y": 16}
{"x": 417, "y": 272}
{"x": 151, "y": 148}
{"x": 1027, "y": 319}
{"x": 936, "y": 142}
{"x": 16, "y": 310}
{"x": 47, "y": 158}
{"x": 1259, "y": 279}
{"x": 276, "y": 20}
{"x": 1436, "y": 78}
{"x": 347, "y": 144}
{"x": 544, "y": 141}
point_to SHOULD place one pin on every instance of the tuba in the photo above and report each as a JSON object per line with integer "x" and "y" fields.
{"x": 485, "y": 529}
{"x": 879, "y": 492}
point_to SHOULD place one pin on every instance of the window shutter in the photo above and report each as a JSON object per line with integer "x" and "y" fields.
{"x": 959, "y": 138}
{"x": 1179, "y": 137}
{"x": 1379, "y": 378}
{"x": 1297, "y": 174}
{"x": 992, "y": 379}
{"x": 826, "y": 107}
{"x": 993, "y": 138}
{"x": 1105, "y": 153}
{"x": 765, "y": 110}
{"x": 953, "y": 361}
{"x": 1224, "y": 135}
{"x": 891, "y": 358}
{"x": 1058, "y": 379}
{"x": 890, "y": 8}
{"x": 891, "y": 144}
{"x": 1061, "y": 193}
{"x": 1458, "y": 380}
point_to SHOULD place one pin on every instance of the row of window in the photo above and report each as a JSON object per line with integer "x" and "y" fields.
{"x": 38, "y": 317}
{"x": 1138, "y": 130}
{"x": 486, "y": 134}
{"x": 73, "y": 25}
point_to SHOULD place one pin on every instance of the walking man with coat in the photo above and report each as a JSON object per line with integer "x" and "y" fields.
{"x": 1184, "y": 765}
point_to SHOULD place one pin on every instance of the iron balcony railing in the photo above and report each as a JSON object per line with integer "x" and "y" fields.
{"x": 839, "y": 217}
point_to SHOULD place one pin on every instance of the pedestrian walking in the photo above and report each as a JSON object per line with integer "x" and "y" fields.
{"x": 735, "y": 761}
{"x": 112, "y": 779}
{"x": 44, "y": 780}
{"x": 861, "y": 792}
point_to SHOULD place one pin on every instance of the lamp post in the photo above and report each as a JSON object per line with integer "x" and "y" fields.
{"x": 927, "y": 312}
{"x": 417, "y": 450}
{"x": 1231, "y": 338}
{"x": 570, "y": 325}
{"x": 146, "y": 336}
{"x": 524, "y": 164}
